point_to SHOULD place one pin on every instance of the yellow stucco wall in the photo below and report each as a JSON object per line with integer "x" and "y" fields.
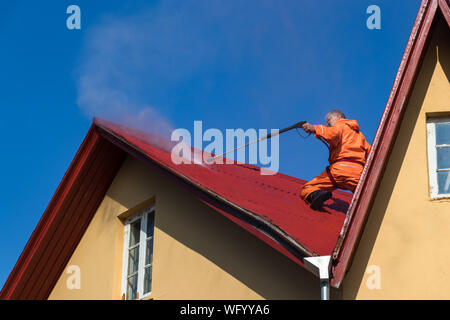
{"x": 198, "y": 253}
{"x": 407, "y": 236}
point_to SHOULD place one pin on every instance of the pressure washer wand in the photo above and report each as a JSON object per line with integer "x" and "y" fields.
{"x": 270, "y": 135}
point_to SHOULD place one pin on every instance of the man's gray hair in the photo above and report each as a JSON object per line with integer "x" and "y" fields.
{"x": 337, "y": 113}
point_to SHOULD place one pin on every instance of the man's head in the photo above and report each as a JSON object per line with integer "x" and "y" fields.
{"x": 333, "y": 116}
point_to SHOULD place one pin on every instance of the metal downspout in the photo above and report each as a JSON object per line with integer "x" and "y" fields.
{"x": 321, "y": 266}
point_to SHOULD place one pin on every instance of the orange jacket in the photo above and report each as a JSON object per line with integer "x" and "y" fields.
{"x": 345, "y": 140}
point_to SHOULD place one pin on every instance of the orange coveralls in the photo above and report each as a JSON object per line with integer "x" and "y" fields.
{"x": 346, "y": 142}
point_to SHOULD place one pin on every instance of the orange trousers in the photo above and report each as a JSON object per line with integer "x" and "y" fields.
{"x": 346, "y": 175}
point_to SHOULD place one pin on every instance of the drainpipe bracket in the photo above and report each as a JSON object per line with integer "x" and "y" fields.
{"x": 320, "y": 266}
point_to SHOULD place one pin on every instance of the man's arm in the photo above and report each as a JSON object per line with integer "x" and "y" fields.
{"x": 329, "y": 134}
{"x": 309, "y": 128}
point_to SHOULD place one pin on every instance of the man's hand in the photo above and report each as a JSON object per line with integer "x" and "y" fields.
{"x": 309, "y": 128}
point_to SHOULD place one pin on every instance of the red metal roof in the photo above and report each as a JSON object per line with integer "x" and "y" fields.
{"x": 274, "y": 198}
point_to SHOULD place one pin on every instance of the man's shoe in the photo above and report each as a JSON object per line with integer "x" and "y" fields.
{"x": 317, "y": 198}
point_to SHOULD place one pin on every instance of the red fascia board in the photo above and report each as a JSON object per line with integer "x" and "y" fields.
{"x": 384, "y": 140}
{"x": 444, "y": 5}
{"x": 31, "y": 251}
{"x": 77, "y": 213}
{"x": 71, "y": 210}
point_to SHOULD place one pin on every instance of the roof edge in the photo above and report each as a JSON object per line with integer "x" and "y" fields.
{"x": 30, "y": 249}
{"x": 385, "y": 138}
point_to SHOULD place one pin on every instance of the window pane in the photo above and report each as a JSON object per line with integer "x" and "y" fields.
{"x": 150, "y": 224}
{"x": 444, "y": 182}
{"x": 149, "y": 252}
{"x": 132, "y": 287}
{"x": 443, "y": 133}
{"x": 147, "y": 280}
{"x": 133, "y": 260}
{"x": 443, "y": 158}
{"x": 135, "y": 231}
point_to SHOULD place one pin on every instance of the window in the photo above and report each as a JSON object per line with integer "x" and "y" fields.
{"x": 138, "y": 255}
{"x": 438, "y": 131}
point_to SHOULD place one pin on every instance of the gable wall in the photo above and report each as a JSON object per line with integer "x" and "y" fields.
{"x": 198, "y": 253}
{"x": 406, "y": 239}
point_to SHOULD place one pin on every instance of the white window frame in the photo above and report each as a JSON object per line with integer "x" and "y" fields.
{"x": 143, "y": 215}
{"x": 432, "y": 157}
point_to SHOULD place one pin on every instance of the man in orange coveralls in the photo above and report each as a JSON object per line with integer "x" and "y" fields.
{"x": 348, "y": 155}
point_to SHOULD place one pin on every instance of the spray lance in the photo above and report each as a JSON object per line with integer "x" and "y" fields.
{"x": 270, "y": 135}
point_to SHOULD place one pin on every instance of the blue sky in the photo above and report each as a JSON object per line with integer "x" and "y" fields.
{"x": 231, "y": 64}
